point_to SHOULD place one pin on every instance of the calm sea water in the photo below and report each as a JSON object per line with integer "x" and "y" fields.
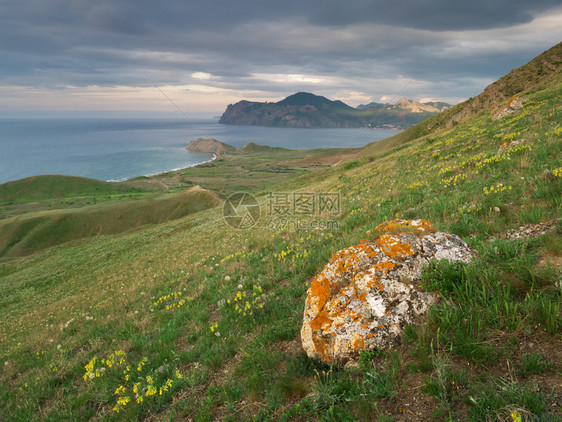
{"x": 118, "y": 149}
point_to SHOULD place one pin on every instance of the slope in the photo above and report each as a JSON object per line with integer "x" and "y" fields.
{"x": 27, "y": 234}
{"x": 56, "y": 191}
{"x": 196, "y": 320}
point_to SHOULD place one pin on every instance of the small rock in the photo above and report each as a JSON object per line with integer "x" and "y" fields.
{"x": 507, "y": 146}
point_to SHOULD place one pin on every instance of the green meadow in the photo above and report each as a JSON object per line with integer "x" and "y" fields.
{"x": 178, "y": 316}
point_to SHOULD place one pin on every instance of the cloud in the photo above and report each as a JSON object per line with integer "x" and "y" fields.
{"x": 201, "y": 75}
{"x": 209, "y": 52}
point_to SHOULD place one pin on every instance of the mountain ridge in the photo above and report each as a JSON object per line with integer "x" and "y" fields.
{"x": 406, "y": 104}
{"x": 307, "y": 110}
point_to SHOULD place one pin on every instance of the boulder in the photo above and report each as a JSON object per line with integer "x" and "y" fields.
{"x": 367, "y": 293}
{"x": 512, "y": 106}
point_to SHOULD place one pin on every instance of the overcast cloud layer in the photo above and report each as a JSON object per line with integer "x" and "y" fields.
{"x": 204, "y": 54}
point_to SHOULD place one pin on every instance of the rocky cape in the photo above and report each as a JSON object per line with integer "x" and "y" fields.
{"x": 306, "y": 110}
{"x": 209, "y": 146}
{"x": 222, "y": 150}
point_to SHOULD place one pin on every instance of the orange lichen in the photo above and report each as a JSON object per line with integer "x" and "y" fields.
{"x": 320, "y": 322}
{"x": 322, "y": 345}
{"x": 383, "y": 267}
{"x": 512, "y": 101}
{"x": 319, "y": 289}
{"x": 359, "y": 343}
{"x": 319, "y": 295}
{"x": 392, "y": 246}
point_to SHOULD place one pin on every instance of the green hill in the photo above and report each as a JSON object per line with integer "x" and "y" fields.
{"x": 23, "y": 235}
{"x": 195, "y": 320}
{"x": 38, "y": 188}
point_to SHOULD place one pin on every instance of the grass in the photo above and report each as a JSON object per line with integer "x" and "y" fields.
{"x": 470, "y": 360}
{"x": 32, "y": 232}
{"x": 43, "y": 211}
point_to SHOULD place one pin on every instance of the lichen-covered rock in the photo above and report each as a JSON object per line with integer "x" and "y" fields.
{"x": 512, "y": 106}
{"x": 367, "y": 293}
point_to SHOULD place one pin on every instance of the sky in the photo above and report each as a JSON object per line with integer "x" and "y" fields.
{"x": 62, "y": 57}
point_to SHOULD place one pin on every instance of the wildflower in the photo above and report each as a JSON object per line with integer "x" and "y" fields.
{"x": 123, "y": 401}
{"x": 516, "y": 416}
{"x": 136, "y": 387}
{"x": 141, "y": 364}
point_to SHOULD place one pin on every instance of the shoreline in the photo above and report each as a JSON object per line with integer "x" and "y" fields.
{"x": 163, "y": 172}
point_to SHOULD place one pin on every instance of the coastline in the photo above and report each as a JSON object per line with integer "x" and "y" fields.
{"x": 48, "y": 141}
{"x": 163, "y": 172}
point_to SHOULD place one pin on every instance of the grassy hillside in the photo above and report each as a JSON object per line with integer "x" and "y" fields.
{"x": 147, "y": 325}
{"x": 44, "y": 211}
{"x": 55, "y": 191}
{"x": 22, "y": 236}
{"x": 38, "y": 188}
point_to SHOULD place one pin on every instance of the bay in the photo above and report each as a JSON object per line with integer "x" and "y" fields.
{"x": 119, "y": 149}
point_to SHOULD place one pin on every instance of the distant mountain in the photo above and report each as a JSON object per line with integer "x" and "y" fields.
{"x": 306, "y": 110}
{"x": 413, "y": 106}
{"x": 439, "y": 105}
{"x": 366, "y": 106}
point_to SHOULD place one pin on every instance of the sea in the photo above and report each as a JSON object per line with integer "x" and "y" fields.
{"x": 116, "y": 149}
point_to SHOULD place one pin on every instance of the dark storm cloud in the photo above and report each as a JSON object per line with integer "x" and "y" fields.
{"x": 52, "y": 43}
